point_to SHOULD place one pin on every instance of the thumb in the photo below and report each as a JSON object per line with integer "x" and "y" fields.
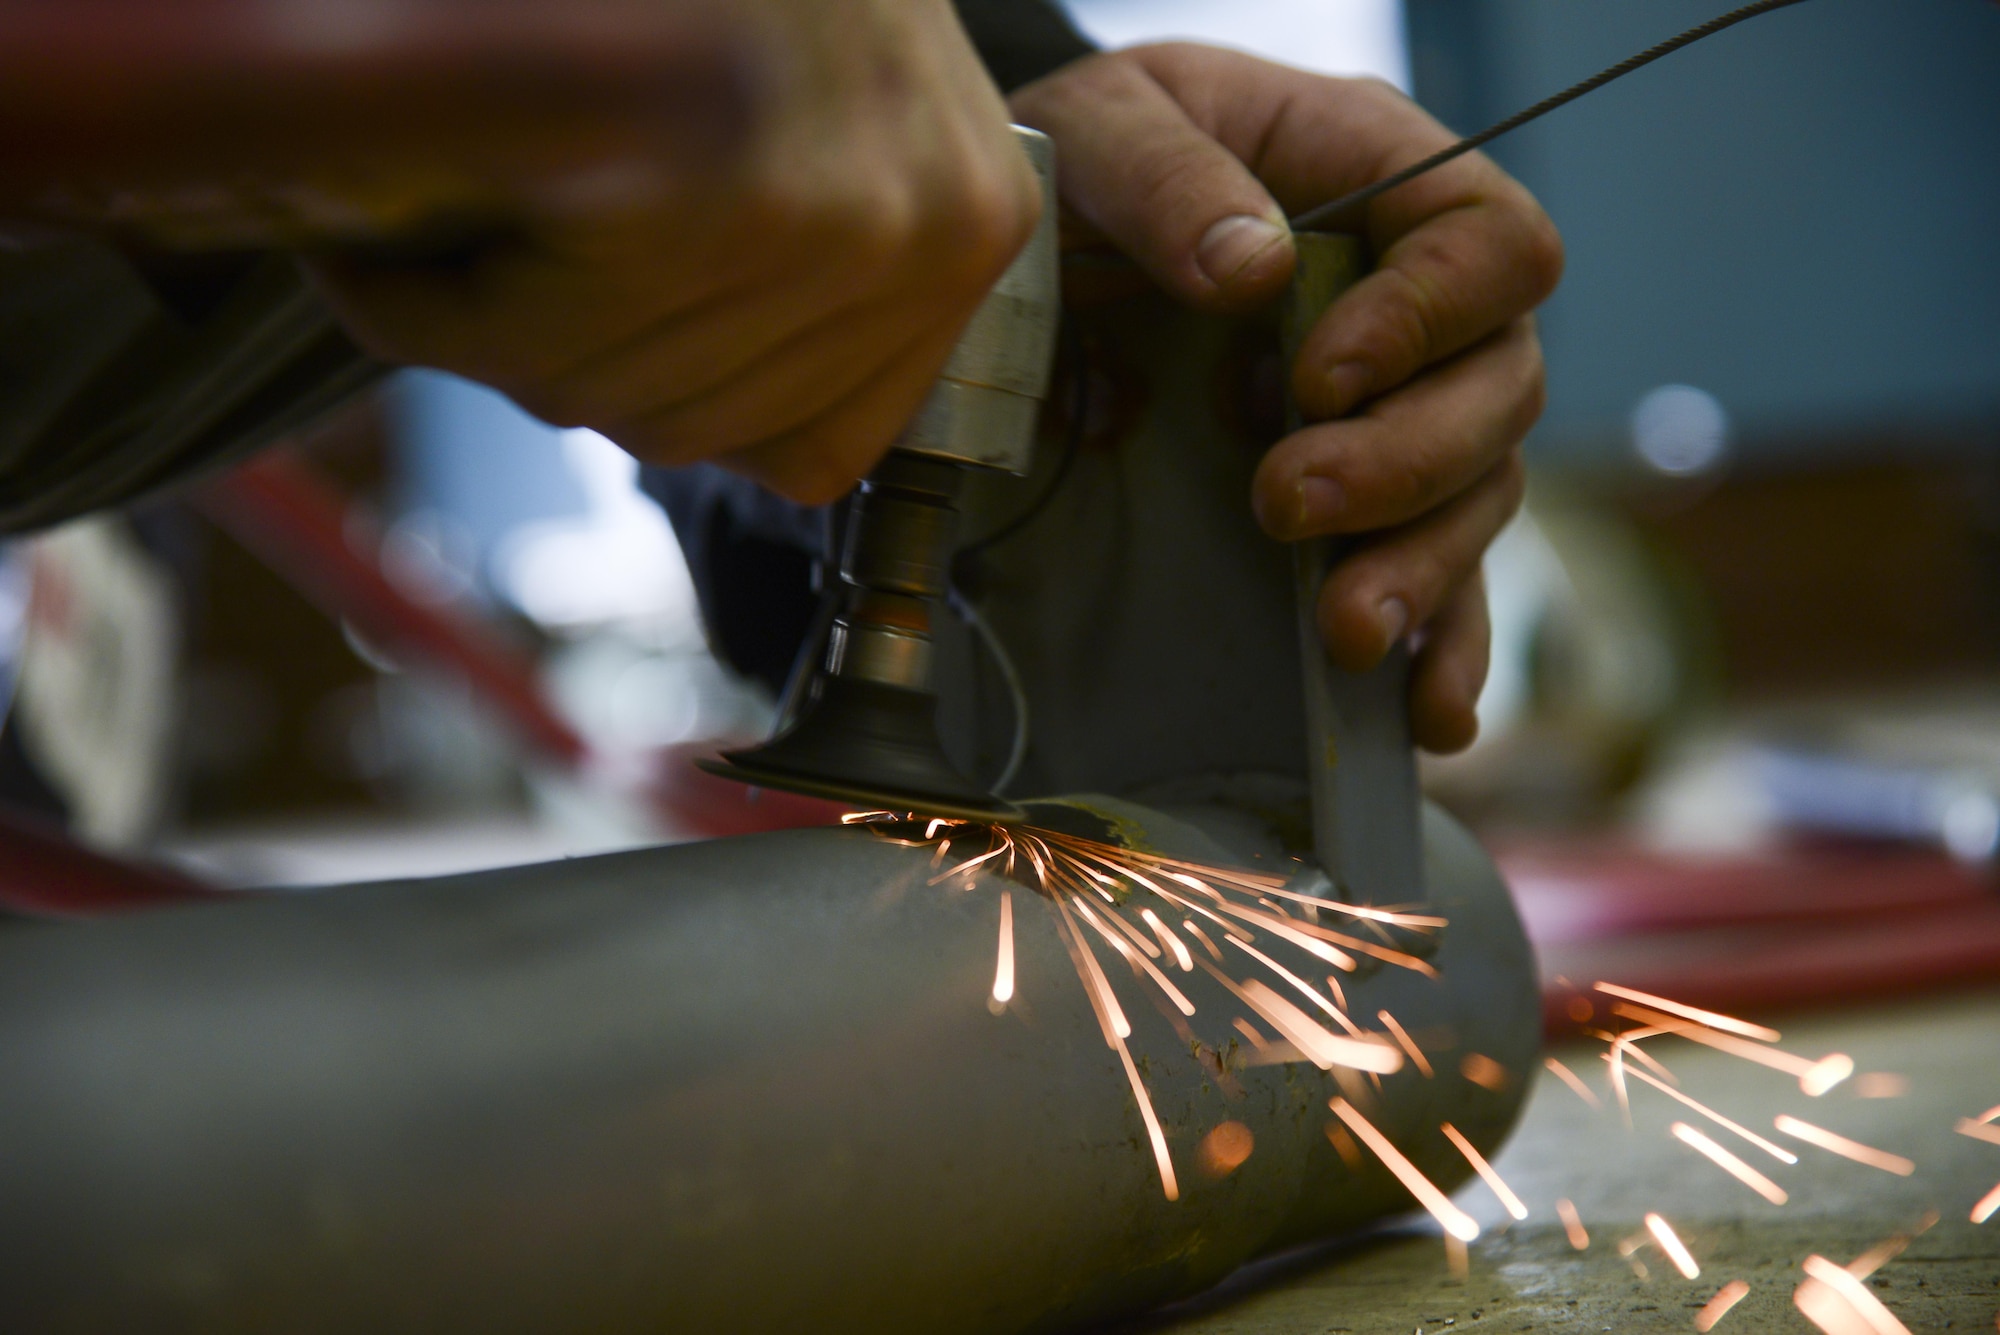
{"x": 1131, "y": 162}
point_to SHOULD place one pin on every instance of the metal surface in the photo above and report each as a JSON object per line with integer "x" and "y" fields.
{"x": 1360, "y": 763}
{"x": 747, "y": 1085}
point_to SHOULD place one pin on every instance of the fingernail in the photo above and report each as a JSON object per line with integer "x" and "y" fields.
{"x": 1395, "y": 616}
{"x": 1347, "y": 384}
{"x": 1320, "y": 501}
{"x": 1228, "y": 247}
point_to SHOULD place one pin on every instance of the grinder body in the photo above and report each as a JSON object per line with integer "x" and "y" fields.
{"x": 866, "y": 718}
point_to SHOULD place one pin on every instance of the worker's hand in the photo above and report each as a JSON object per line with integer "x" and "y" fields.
{"x": 786, "y": 316}
{"x": 1424, "y": 377}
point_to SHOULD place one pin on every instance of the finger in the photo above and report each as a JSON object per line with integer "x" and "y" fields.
{"x": 819, "y": 462}
{"x": 1408, "y": 452}
{"x": 1133, "y": 166}
{"x": 1398, "y": 582}
{"x": 1450, "y": 672}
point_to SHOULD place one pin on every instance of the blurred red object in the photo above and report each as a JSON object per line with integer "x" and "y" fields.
{"x": 1810, "y": 924}
{"x": 45, "y": 874}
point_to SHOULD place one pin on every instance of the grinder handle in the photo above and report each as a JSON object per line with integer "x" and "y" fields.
{"x": 1362, "y": 766}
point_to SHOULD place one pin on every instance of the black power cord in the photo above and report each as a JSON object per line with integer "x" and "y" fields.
{"x": 1315, "y": 219}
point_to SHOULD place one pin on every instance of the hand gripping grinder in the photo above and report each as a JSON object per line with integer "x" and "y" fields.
{"x": 865, "y": 729}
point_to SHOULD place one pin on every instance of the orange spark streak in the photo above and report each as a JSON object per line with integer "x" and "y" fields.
{"x": 968, "y": 865}
{"x": 1472, "y": 1155}
{"x": 1827, "y": 1072}
{"x": 1160, "y": 1156}
{"x": 1229, "y": 930}
{"x": 1570, "y": 1078}
{"x": 930, "y": 831}
{"x": 1729, "y": 1163}
{"x": 1455, "y": 1221}
{"x": 1879, "y": 1318}
{"x": 1137, "y": 937}
{"x": 1978, "y": 1130}
{"x": 1987, "y": 1205}
{"x": 1866, "y": 1264}
{"x": 1326, "y": 1050}
{"x": 1714, "y": 1020}
{"x": 1989, "y": 1115}
{"x": 1718, "y": 1307}
{"x": 1406, "y": 1043}
{"x": 1841, "y": 1145}
{"x": 1168, "y": 939}
{"x": 1194, "y": 929}
{"x": 1806, "y": 1071}
{"x": 1174, "y": 994}
{"x": 1670, "y": 1243}
{"x": 1630, "y": 1040}
{"x": 1778, "y": 1152}
{"x": 1096, "y": 982}
{"x": 1828, "y": 1310}
{"x": 1572, "y": 1224}
{"x": 1339, "y": 996}
{"x": 1295, "y": 933}
{"x": 1003, "y": 969}
{"x": 1249, "y": 1031}
{"x": 1339, "y": 1016}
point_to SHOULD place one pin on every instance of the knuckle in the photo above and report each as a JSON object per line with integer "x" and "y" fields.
{"x": 1543, "y": 255}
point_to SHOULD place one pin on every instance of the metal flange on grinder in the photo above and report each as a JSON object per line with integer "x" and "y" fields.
{"x": 865, "y": 719}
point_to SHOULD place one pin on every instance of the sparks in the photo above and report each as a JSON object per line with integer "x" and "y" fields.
{"x": 1814, "y": 1077}
{"x": 1003, "y": 969}
{"x": 1574, "y": 1081}
{"x": 1978, "y": 1130}
{"x": 1729, "y": 1163}
{"x": 1670, "y": 1243}
{"x": 1455, "y": 1221}
{"x": 1777, "y": 1152}
{"x": 1841, "y": 1145}
{"x": 1168, "y": 939}
{"x": 1856, "y": 1295}
{"x": 1513, "y": 1203}
{"x": 1713, "y": 1019}
{"x": 1716, "y": 1308}
{"x": 1406, "y": 1043}
{"x": 1988, "y": 1203}
{"x": 1572, "y": 1223}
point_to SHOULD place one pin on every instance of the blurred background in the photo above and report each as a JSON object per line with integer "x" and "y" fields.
{"x": 1753, "y": 604}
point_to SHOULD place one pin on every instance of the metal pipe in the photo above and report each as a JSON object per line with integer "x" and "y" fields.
{"x": 744, "y": 1085}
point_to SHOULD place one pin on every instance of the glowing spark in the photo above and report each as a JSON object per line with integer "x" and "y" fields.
{"x": 1775, "y": 1151}
{"x": 1161, "y": 1158}
{"x": 1225, "y": 1149}
{"x": 1987, "y": 1205}
{"x": 1670, "y": 1243}
{"x": 1978, "y": 1130}
{"x": 1718, "y": 1307}
{"x": 1455, "y": 1221}
{"x": 1249, "y": 1031}
{"x": 1630, "y": 1043}
{"x": 1174, "y": 994}
{"x": 1472, "y": 1155}
{"x": 1194, "y": 930}
{"x": 1989, "y": 1115}
{"x": 1729, "y": 1163}
{"x": 1570, "y": 1078}
{"x": 1406, "y": 1043}
{"x": 1572, "y": 1224}
{"x": 1866, "y": 1264}
{"x": 1483, "y": 1071}
{"x": 1714, "y": 1020}
{"x": 1828, "y": 1310}
{"x": 856, "y": 817}
{"x": 1297, "y": 934}
{"x": 1339, "y": 995}
{"x": 1325, "y": 1050}
{"x": 1805, "y": 1070}
{"x": 930, "y": 831}
{"x": 1096, "y": 986}
{"x": 1339, "y": 1016}
{"x": 1168, "y": 939}
{"x": 1880, "y": 1085}
{"x": 966, "y": 866}
{"x": 1841, "y": 1145}
{"x": 1003, "y": 969}
{"x": 1826, "y": 1073}
{"x": 1878, "y": 1318}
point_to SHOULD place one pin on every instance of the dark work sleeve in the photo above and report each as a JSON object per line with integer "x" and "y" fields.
{"x": 1021, "y": 40}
